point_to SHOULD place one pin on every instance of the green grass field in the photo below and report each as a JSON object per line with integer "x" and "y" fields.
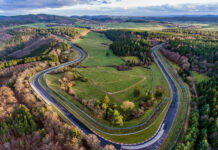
{"x": 143, "y": 134}
{"x": 110, "y": 81}
{"x": 119, "y": 85}
{"x": 97, "y": 45}
{"x": 134, "y": 59}
{"x": 200, "y": 77}
{"x": 123, "y": 25}
{"x": 133, "y": 25}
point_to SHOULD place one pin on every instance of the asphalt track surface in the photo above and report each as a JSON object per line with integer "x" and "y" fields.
{"x": 153, "y": 143}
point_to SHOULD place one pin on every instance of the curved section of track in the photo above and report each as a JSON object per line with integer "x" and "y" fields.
{"x": 152, "y": 143}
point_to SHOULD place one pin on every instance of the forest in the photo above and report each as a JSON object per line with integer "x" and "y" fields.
{"x": 14, "y": 62}
{"x": 127, "y": 43}
{"x": 204, "y": 49}
{"x": 133, "y": 47}
{"x": 28, "y": 123}
{"x": 202, "y": 130}
{"x": 202, "y": 54}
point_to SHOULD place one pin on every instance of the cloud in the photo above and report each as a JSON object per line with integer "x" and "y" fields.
{"x": 38, "y": 4}
{"x": 104, "y": 7}
{"x": 184, "y": 9}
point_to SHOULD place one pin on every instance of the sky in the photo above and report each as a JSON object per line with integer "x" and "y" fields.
{"x": 109, "y": 7}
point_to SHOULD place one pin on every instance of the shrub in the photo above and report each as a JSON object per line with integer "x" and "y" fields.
{"x": 136, "y": 92}
{"x": 69, "y": 75}
{"x": 127, "y": 105}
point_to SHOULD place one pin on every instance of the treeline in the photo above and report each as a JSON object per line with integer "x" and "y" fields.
{"x": 67, "y": 32}
{"x": 133, "y": 47}
{"x": 45, "y": 49}
{"x": 115, "y": 35}
{"x": 165, "y": 34}
{"x": 20, "y": 34}
{"x": 202, "y": 131}
{"x": 193, "y": 32}
{"x": 25, "y": 60}
{"x": 40, "y": 54}
{"x": 202, "y": 54}
{"x": 128, "y": 43}
{"x": 204, "y": 49}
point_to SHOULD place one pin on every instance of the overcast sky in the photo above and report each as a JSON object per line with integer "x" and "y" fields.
{"x": 109, "y": 7}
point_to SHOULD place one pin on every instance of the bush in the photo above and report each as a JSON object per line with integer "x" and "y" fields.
{"x": 158, "y": 94}
{"x": 127, "y": 106}
{"x": 136, "y": 92}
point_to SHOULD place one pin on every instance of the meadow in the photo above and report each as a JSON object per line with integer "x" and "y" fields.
{"x": 97, "y": 45}
{"x": 200, "y": 77}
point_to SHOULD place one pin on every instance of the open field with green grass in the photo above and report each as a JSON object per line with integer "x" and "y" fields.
{"x": 119, "y": 85}
{"x": 200, "y": 77}
{"x": 133, "y": 25}
{"x": 143, "y": 134}
{"x": 123, "y": 25}
{"x": 131, "y": 59}
{"x": 89, "y": 91}
{"x": 173, "y": 65}
{"x": 97, "y": 45}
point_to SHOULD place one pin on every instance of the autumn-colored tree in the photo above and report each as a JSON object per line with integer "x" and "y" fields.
{"x": 106, "y": 100}
{"x": 109, "y": 147}
{"x": 127, "y": 106}
{"x": 117, "y": 118}
{"x": 149, "y": 95}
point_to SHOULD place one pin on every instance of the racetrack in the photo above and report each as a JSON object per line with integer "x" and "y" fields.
{"x": 152, "y": 143}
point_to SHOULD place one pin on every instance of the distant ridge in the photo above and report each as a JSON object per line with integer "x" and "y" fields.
{"x": 183, "y": 18}
{"x": 22, "y": 19}
{"x": 31, "y": 18}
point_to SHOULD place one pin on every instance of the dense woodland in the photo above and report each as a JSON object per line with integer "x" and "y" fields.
{"x": 202, "y": 54}
{"x": 133, "y": 47}
{"x": 125, "y": 43}
{"x": 202, "y": 131}
{"x": 33, "y": 123}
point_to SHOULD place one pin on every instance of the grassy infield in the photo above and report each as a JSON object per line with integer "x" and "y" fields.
{"x": 97, "y": 50}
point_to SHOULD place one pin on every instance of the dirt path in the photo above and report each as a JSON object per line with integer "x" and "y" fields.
{"x": 126, "y": 89}
{"x": 95, "y": 84}
{"x": 112, "y": 94}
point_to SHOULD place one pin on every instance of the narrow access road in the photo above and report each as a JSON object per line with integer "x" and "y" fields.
{"x": 153, "y": 143}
